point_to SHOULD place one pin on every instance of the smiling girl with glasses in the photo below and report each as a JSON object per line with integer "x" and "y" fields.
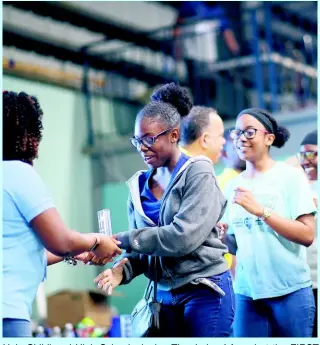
{"x": 270, "y": 215}
{"x": 173, "y": 211}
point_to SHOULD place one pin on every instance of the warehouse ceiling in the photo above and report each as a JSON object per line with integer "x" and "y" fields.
{"x": 63, "y": 31}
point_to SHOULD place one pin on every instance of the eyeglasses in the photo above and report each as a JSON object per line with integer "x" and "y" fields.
{"x": 309, "y": 155}
{"x": 249, "y": 133}
{"x": 147, "y": 141}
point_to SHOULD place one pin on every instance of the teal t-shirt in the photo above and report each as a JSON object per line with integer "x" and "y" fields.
{"x": 269, "y": 265}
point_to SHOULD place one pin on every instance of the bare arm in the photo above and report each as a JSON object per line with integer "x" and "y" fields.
{"x": 53, "y": 259}
{"x": 37, "y": 208}
{"x": 299, "y": 231}
{"x": 57, "y": 238}
{"x": 61, "y": 241}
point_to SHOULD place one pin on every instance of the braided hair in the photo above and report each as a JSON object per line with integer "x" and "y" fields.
{"x": 22, "y": 126}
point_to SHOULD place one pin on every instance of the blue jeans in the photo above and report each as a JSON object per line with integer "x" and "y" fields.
{"x": 16, "y": 328}
{"x": 198, "y": 310}
{"x": 290, "y": 315}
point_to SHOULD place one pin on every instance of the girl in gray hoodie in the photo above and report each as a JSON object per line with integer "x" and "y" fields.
{"x": 173, "y": 210}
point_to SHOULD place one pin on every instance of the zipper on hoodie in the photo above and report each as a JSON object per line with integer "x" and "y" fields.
{"x": 183, "y": 168}
{"x": 165, "y": 196}
{"x": 171, "y": 185}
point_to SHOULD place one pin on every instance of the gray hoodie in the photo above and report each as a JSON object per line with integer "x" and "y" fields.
{"x": 186, "y": 238}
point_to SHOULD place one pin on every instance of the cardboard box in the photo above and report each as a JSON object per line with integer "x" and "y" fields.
{"x": 72, "y": 306}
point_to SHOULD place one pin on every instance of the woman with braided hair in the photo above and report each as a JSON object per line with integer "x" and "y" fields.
{"x": 31, "y": 222}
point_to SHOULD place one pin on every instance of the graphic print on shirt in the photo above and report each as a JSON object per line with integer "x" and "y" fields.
{"x": 246, "y": 222}
{"x": 263, "y": 256}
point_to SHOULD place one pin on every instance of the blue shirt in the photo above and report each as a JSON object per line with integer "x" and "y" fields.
{"x": 269, "y": 265}
{"x": 150, "y": 204}
{"x": 24, "y": 256}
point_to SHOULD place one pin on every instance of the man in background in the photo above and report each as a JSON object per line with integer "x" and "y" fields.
{"x": 309, "y": 162}
{"x": 202, "y": 134}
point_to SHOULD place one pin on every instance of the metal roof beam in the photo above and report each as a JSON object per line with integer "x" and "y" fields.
{"x": 61, "y": 12}
{"x": 124, "y": 68}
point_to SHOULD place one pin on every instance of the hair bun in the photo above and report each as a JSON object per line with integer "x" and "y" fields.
{"x": 176, "y": 96}
{"x": 282, "y": 136}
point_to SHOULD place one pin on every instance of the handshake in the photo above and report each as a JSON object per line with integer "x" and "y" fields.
{"x": 106, "y": 245}
{"x": 110, "y": 278}
{"x": 105, "y": 249}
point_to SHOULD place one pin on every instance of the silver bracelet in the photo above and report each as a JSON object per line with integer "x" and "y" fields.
{"x": 70, "y": 260}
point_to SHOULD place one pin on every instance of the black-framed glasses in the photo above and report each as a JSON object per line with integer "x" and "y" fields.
{"x": 249, "y": 133}
{"x": 147, "y": 141}
{"x": 309, "y": 155}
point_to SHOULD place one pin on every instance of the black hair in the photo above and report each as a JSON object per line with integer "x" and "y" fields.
{"x": 310, "y": 139}
{"x": 281, "y": 133}
{"x": 195, "y": 123}
{"x": 22, "y": 126}
{"x": 170, "y": 102}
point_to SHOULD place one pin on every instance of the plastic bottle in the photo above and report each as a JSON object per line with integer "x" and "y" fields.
{"x": 56, "y": 332}
{"x": 40, "y": 332}
{"x": 68, "y": 331}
